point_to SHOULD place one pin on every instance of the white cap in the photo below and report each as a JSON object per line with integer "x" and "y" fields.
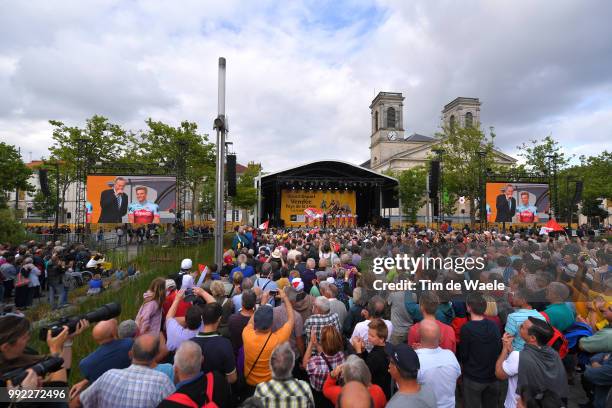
{"x": 186, "y": 264}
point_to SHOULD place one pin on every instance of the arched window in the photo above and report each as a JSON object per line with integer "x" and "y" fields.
{"x": 452, "y": 122}
{"x": 469, "y": 120}
{"x": 376, "y": 121}
{"x": 391, "y": 118}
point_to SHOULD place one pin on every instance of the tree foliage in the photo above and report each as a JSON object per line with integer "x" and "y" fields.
{"x": 462, "y": 164}
{"x": 539, "y": 155}
{"x": 15, "y": 173}
{"x": 11, "y": 230}
{"x": 412, "y": 185}
{"x": 246, "y": 193}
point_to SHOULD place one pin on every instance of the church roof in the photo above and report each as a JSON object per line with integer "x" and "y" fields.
{"x": 415, "y": 137}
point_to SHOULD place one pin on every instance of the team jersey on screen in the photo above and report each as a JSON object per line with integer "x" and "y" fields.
{"x": 144, "y": 213}
{"x": 526, "y": 213}
{"x": 88, "y": 208}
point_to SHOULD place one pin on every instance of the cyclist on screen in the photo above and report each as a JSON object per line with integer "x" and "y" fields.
{"x": 143, "y": 211}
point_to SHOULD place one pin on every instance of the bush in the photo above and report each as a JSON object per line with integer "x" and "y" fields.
{"x": 11, "y": 230}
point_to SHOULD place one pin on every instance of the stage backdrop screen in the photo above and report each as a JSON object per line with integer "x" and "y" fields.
{"x": 131, "y": 199}
{"x": 294, "y": 202}
{"x": 517, "y": 202}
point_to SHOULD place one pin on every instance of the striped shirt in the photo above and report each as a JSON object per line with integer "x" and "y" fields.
{"x": 133, "y": 387}
{"x": 290, "y": 393}
{"x": 513, "y": 325}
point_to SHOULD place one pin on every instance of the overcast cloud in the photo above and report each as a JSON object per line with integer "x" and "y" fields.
{"x": 301, "y": 75}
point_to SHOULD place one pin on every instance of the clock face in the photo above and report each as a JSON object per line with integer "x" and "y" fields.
{"x": 392, "y": 135}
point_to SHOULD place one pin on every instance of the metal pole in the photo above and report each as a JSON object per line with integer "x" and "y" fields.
{"x": 220, "y": 182}
{"x": 259, "y": 199}
{"x": 57, "y": 184}
{"x": 427, "y": 203}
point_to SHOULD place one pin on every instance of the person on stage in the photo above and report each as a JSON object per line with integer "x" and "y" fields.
{"x": 526, "y": 212}
{"x": 143, "y": 211}
{"x": 113, "y": 202}
{"x": 505, "y": 205}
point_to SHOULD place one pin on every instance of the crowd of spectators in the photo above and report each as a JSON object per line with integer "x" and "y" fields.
{"x": 291, "y": 318}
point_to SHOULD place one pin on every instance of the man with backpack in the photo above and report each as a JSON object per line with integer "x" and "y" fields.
{"x": 537, "y": 365}
{"x": 193, "y": 387}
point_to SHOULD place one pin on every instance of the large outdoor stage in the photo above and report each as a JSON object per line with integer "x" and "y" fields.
{"x": 335, "y": 188}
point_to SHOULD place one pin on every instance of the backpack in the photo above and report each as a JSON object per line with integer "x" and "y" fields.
{"x": 575, "y": 332}
{"x": 557, "y": 342}
{"x": 185, "y": 400}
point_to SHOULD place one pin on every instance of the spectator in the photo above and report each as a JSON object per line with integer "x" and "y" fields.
{"x": 304, "y": 302}
{"x": 404, "y": 366}
{"x": 428, "y": 306}
{"x": 601, "y": 341}
{"x": 330, "y": 291}
{"x": 559, "y": 314}
{"x": 112, "y": 352}
{"x": 55, "y": 277}
{"x": 265, "y": 282}
{"x": 127, "y": 329}
{"x": 309, "y": 274}
{"x": 598, "y": 380}
{"x": 178, "y": 329}
{"x": 520, "y": 300}
{"x": 439, "y": 367}
{"x": 280, "y": 318}
{"x": 374, "y": 310}
{"x": 246, "y": 270}
{"x": 321, "y": 317}
{"x": 355, "y": 395}
{"x": 480, "y": 346}
{"x": 327, "y": 356}
{"x": 238, "y": 321}
{"x": 283, "y": 390}
{"x": 246, "y": 284}
{"x": 354, "y": 315}
{"x": 353, "y": 369}
{"x": 149, "y": 315}
{"x": 217, "y": 350}
{"x": 138, "y": 386}
{"x": 193, "y": 387}
{"x": 376, "y": 358}
{"x": 536, "y": 365}
{"x": 259, "y": 342}
{"x": 400, "y": 318}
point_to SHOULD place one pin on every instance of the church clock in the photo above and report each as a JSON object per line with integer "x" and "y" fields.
{"x": 392, "y": 136}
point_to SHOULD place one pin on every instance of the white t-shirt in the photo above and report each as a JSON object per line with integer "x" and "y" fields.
{"x": 439, "y": 370}
{"x": 510, "y": 367}
{"x": 361, "y": 330}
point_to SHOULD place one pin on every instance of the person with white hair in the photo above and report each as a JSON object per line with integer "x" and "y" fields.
{"x": 284, "y": 390}
{"x": 321, "y": 316}
{"x": 193, "y": 387}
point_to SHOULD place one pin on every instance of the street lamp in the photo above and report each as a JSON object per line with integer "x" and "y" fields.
{"x": 439, "y": 152}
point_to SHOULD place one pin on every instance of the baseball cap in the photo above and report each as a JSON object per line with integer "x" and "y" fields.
{"x": 263, "y": 317}
{"x": 170, "y": 283}
{"x": 403, "y": 356}
{"x": 297, "y": 284}
{"x": 186, "y": 264}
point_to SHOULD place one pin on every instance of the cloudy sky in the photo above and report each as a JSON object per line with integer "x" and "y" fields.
{"x": 301, "y": 74}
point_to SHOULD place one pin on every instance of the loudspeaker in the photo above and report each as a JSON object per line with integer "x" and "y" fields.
{"x": 231, "y": 175}
{"x": 43, "y": 179}
{"x": 385, "y": 222}
{"x": 578, "y": 193}
{"x": 434, "y": 178}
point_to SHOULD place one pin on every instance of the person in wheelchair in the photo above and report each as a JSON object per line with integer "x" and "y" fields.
{"x": 94, "y": 265}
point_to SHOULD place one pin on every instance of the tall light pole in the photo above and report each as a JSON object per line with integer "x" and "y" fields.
{"x": 220, "y": 127}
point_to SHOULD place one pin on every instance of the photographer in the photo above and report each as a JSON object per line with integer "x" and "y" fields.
{"x": 14, "y": 353}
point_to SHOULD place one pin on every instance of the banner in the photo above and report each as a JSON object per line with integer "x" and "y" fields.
{"x": 336, "y": 203}
{"x": 525, "y": 203}
{"x": 130, "y": 199}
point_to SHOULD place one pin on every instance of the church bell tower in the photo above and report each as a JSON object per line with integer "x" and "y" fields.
{"x": 387, "y": 121}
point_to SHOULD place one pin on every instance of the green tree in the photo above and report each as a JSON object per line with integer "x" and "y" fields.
{"x": 44, "y": 207}
{"x": 11, "y": 230}
{"x": 167, "y": 145}
{"x": 246, "y": 193}
{"x": 466, "y": 153}
{"x": 539, "y": 155}
{"x": 14, "y": 173}
{"x": 98, "y": 141}
{"x": 206, "y": 202}
{"x": 412, "y": 186}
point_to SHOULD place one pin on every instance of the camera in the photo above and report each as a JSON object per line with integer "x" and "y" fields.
{"x": 42, "y": 368}
{"x": 106, "y": 312}
{"x": 274, "y": 293}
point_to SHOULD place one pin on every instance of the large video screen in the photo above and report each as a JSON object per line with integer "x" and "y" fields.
{"x": 517, "y": 202}
{"x": 131, "y": 199}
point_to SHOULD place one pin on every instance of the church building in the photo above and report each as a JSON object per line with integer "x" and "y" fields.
{"x": 391, "y": 149}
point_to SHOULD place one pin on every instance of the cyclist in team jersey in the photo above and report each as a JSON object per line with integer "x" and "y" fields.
{"x": 143, "y": 211}
{"x": 526, "y": 212}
